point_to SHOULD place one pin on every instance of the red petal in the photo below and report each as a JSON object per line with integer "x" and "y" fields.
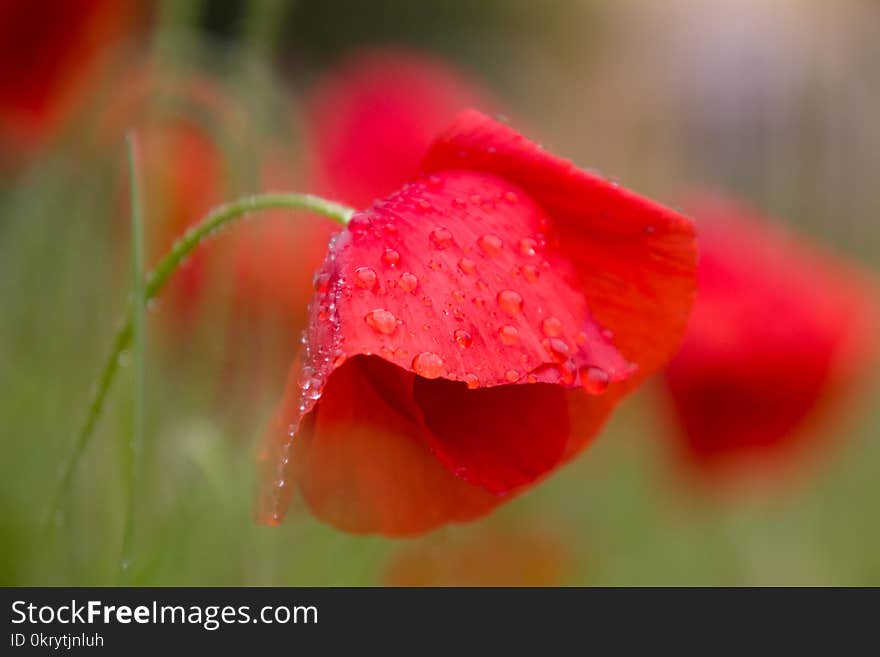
{"x": 374, "y": 117}
{"x": 634, "y": 259}
{"x": 499, "y": 438}
{"x": 359, "y": 463}
{"x": 778, "y": 330}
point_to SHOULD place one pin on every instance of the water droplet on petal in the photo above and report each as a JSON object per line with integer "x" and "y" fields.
{"x": 462, "y": 338}
{"x": 552, "y": 327}
{"x": 440, "y": 238}
{"x": 365, "y": 277}
{"x": 428, "y": 365}
{"x": 490, "y": 244}
{"x": 423, "y": 204}
{"x": 467, "y": 266}
{"x": 511, "y": 375}
{"x": 435, "y": 182}
{"x": 581, "y": 338}
{"x": 594, "y": 380}
{"x": 408, "y": 282}
{"x": 527, "y": 246}
{"x": 510, "y": 302}
{"x": 381, "y": 321}
{"x": 508, "y": 335}
{"x": 608, "y": 334}
{"x": 557, "y": 348}
{"x": 435, "y": 265}
{"x": 322, "y": 282}
{"x": 472, "y": 381}
{"x": 530, "y": 273}
{"x": 391, "y": 257}
{"x": 510, "y": 197}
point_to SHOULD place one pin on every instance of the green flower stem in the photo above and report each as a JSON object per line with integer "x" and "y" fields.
{"x": 218, "y": 219}
{"x": 138, "y": 332}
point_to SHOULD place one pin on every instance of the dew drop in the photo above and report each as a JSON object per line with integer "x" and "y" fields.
{"x": 321, "y": 282}
{"x": 365, "y": 278}
{"x": 408, "y": 282}
{"x": 608, "y": 334}
{"x": 462, "y": 338}
{"x": 467, "y": 266}
{"x": 510, "y": 197}
{"x": 527, "y": 246}
{"x": 428, "y": 365}
{"x": 508, "y": 334}
{"x": 391, "y": 257}
{"x": 594, "y": 380}
{"x": 435, "y": 265}
{"x": 472, "y": 381}
{"x": 567, "y": 372}
{"x": 581, "y": 338}
{"x": 511, "y": 375}
{"x": 510, "y": 302}
{"x": 458, "y": 296}
{"x": 530, "y": 273}
{"x": 381, "y": 321}
{"x": 435, "y": 182}
{"x": 459, "y": 201}
{"x": 423, "y": 204}
{"x": 490, "y": 244}
{"x": 441, "y": 238}
{"x": 552, "y": 327}
{"x": 557, "y": 348}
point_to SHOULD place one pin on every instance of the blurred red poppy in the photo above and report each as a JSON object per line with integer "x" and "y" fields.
{"x": 184, "y": 170}
{"x": 778, "y": 333}
{"x": 48, "y": 52}
{"x": 483, "y": 557}
{"x": 374, "y": 116}
{"x": 370, "y": 119}
{"x": 470, "y": 333}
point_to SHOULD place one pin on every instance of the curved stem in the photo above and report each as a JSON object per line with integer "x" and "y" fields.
{"x": 216, "y": 220}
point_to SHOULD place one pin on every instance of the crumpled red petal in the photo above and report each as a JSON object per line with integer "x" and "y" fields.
{"x": 634, "y": 259}
{"x": 357, "y": 460}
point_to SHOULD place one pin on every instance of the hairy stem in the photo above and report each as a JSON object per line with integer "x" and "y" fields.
{"x": 218, "y": 219}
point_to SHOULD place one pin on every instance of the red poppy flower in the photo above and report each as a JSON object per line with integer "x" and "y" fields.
{"x": 779, "y": 331}
{"x": 470, "y": 333}
{"x": 47, "y": 54}
{"x": 374, "y": 116}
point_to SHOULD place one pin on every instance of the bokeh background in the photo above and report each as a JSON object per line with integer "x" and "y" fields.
{"x": 773, "y": 102}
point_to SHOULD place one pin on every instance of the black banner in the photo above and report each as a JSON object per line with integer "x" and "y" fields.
{"x": 134, "y": 620}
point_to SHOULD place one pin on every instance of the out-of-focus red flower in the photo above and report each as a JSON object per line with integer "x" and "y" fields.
{"x": 471, "y": 332}
{"x": 48, "y": 52}
{"x": 778, "y": 333}
{"x": 183, "y": 168}
{"x": 370, "y": 119}
{"x": 373, "y": 118}
{"x": 484, "y": 557}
